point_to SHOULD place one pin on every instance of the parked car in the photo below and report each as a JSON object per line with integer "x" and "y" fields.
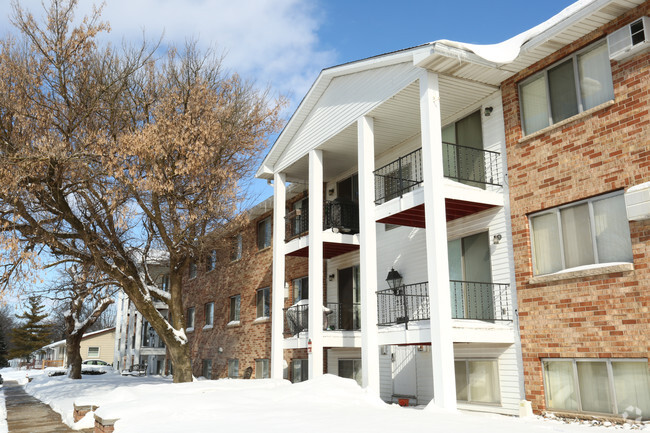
{"x": 95, "y": 366}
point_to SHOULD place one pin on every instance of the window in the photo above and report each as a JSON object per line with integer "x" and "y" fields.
{"x": 300, "y": 289}
{"x": 233, "y": 368}
{"x": 192, "y": 269}
{"x": 235, "y": 306}
{"x": 477, "y": 381}
{"x": 263, "y": 302}
{"x": 207, "y": 369}
{"x": 212, "y": 261}
{"x": 578, "y": 83}
{"x": 237, "y": 248}
{"x": 208, "y": 309}
{"x": 262, "y": 369}
{"x": 299, "y": 370}
{"x": 587, "y": 232}
{"x": 189, "y": 319}
{"x": 264, "y": 233}
{"x": 93, "y": 352}
{"x": 164, "y": 285}
{"x": 351, "y": 369}
{"x": 614, "y": 386}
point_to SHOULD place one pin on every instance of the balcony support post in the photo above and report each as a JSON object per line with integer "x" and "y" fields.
{"x": 368, "y": 255}
{"x": 277, "y": 290}
{"x": 316, "y": 263}
{"x": 442, "y": 349}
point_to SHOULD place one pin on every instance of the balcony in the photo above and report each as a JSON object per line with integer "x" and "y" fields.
{"x": 339, "y": 215}
{"x": 336, "y": 317}
{"x": 476, "y": 167}
{"x": 469, "y": 300}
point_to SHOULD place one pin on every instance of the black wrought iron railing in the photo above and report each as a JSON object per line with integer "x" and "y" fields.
{"x": 405, "y": 304}
{"x": 469, "y": 300}
{"x": 480, "y": 301}
{"x": 462, "y": 163}
{"x": 297, "y": 224}
{"x": 342, "y": 215}
{"x": 343, "y": 317}
{"x": 471, "y": 165}
{"x": 296, "y": 319}
{"x": 398, "y": 177}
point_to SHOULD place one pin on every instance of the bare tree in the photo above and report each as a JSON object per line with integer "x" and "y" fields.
{"x": 118, "y": 160}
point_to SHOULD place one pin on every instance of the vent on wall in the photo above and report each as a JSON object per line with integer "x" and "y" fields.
{"x": 630, "y": 39}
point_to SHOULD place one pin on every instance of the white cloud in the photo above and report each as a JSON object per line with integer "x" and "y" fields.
{"x": 273, "y": 42}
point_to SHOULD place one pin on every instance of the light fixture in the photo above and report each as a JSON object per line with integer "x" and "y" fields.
{"x": 488, "y": 111}
{"x": 394, "y": 279}
{"x": 496, "y": 239}
{"x": 220, "y": 350}
{"x": 331, "y": 277}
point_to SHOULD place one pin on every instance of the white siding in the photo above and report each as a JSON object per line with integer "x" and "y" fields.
{"x": 333, "y": 265}
{"x": 385, "y": 374}
{"x": 508, "y": 374}
{"x": 333, "y": 356}
{"x": 345, "y": 100}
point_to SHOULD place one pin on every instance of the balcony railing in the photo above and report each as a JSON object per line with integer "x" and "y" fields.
{"x": 465, "y": 164}
{"x": 469, "y": 300}
{"x": 398, "y": 177}
{"x": 339, "y": 214}
{"x": 402, "y": 305}
{"x": 336, "y": 317}
{"x": 343, "y": 317}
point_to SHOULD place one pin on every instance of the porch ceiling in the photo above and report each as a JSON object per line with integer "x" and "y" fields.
{"x": 454, "y": 209}
{"x": 396, "y": 120}
{"x": 330, "y": 249}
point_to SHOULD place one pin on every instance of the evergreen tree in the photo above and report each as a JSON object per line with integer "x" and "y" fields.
{"x": 33, "y": 334}
{"x": 3, "y": 350}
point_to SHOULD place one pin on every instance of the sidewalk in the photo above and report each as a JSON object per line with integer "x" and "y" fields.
{"x": 25, "y": 414}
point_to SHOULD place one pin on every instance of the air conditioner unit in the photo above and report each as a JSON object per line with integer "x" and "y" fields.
{"x": 630, "y": 39}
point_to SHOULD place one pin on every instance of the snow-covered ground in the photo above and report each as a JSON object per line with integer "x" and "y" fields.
{"x": 323, "y": 405}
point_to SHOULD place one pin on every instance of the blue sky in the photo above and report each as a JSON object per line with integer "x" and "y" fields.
{"x": 285, "y": 43}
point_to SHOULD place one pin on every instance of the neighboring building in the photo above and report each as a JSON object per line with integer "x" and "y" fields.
{"x": 578, "y": 148}
{"x": 227, "y": 297}
{"x": 402, "y": 157}
{"x": 136, "y": 342}
{"x": 94, "y": 345}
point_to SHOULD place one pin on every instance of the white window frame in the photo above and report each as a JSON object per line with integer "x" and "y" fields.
{"x": 190, "y": 319}
{"x": 610, "y": 376}
{"x": 212, "y": 261}
{"x": 208, "y": 363}
{"x": 193, "y": 270}
{"x": 262, "y": 368}
{"x": 235, "y": 308}
{"x": 94, "y": 347}
{"x": 304, "y": 366}
{"x": 266, "y": 302}
{"x": 237, "y": 248}
{"x": 233, "y": 367}
{"x": 574, "y": 58}
{"x": 469, "y": 380}
{"x": 209, "y": 316}
{"x": 556, "y": 210}
{"x": 268, "y": 233}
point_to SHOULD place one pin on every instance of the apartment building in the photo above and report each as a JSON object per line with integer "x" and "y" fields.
{"x": 405, "y": 229}
{"x": 578, "y": 148}
{"x": 227, "y": 296}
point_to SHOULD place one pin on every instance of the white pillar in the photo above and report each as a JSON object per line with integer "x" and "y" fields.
{"x": 368, "y": 255}
{"x": 442, "y": 348}
{"x": 119, "y": 326}
{"x": 316, "y": 263}
{"x": 277, "y": 291}
{"x": 138, "y": 339}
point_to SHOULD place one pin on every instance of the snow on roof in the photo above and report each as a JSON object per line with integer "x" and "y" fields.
{"x": 90, "y": 334}
{"x": 508, "y": 50}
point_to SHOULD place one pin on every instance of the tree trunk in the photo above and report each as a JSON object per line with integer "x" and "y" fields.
{"x": 73, "y": 350}
{"x": 179, "y": 354}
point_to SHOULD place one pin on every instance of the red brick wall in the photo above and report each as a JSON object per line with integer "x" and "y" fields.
{"x": 251, "y": 339}
{"x": 603, "y": 151}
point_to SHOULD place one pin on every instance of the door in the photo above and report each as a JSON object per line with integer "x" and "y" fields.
{"x": 470, "y": 272}
{"x": 463, "y": 154}
{"x": 349, "y": 294}
{"x": 404, "y": 370}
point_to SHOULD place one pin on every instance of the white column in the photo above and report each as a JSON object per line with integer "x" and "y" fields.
{"x": 442, "y": 349}
{"x": 119, "y": 326}
{"x": 316, "y": 263}
{"x": 277, "y": 291}
{"x": 368, "y": 255}
{"x": 138, "y": 339}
